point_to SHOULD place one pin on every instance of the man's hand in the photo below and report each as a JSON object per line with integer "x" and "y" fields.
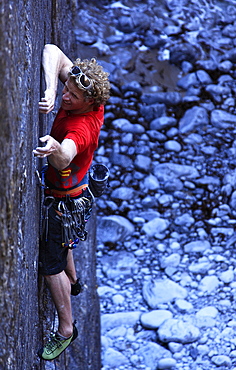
{"x": 46, "y": 104}
{"x": 60, "y": 155}
{"x": 56, "y": 65}
{"x": 51, "y": 146}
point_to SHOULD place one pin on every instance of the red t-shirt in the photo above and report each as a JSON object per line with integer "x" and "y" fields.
{"x": 84, "y": 130}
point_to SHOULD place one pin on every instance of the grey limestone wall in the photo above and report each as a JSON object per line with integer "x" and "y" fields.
{"x": 25, "y": 26}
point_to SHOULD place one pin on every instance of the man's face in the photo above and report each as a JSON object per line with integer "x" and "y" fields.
{"x": 73, "y": 99}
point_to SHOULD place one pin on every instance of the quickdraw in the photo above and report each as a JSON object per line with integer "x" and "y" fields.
{"x": 74, "y": 215}
{"x": 48, "y": 203}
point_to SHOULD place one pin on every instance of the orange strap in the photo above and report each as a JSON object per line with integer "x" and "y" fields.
{"x": 74, "y": 192}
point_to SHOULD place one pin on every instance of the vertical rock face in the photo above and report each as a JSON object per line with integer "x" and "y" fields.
{"x": 84, "y": 354}
{"x": 25, "y": 27}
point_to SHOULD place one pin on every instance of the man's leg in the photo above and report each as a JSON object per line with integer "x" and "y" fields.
{"x": 60, "y": 288}
{"x": 70, "y": 268}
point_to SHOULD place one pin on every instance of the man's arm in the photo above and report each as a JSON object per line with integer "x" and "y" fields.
{"x": 56, "y": 65}
{"x": 59, "y": 155}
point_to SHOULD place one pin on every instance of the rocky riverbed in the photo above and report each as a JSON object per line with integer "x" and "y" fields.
{"x": 166, "y": 258}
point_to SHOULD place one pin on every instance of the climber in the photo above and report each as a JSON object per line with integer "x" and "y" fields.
{"x": 68, "y": 201}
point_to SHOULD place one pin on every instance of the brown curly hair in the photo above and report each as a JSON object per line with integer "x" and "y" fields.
{"x": 100, "y": 90}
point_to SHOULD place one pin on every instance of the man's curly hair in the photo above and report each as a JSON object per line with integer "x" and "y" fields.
{"x": 100, "y": 90}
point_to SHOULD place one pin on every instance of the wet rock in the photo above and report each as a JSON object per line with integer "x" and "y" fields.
{"x": 195, "y": 79}
{"x": 209, "y": 311}
{"x": 175, "y": 347}
{"x": 151, "y": 182}
{"x": 227, "y": 276}
{"x": 183, "y": 306}
{"x": 176, "y": 153}
{"x": 174, "y": 330}
{"x": 152, "y": 353}
{"x": 124, "y": 125}
{"x": 193, "y": 118}
{"x": 208, "y": 180}
{"x": 188, "y": 80}
{"x": 209, "y": 283}
{"x": 168, "y": 98}
{"x": 166, "y": 363}
{"x": 222, "y": 119}
{"x": 114, "y": 358}
{"x": 153, "y": 319}
{"x": 162, "y": 123}
{"x": 221, "y": 360}
{"x": 157, "y": 226}
{"x": 207, "y": 65}
{"x": 205, "y": 322}
{"x": 133, "y": 86}
{"x": 135, "y": 21}
{"x": 232, "y": 55}
{"x": 110, "y": 321}
{"x": 153, "y": 41}
{"x": 184, "y": 220}
{"x": 218, "y": 92}
{"x": 156, "y": 292}
{"x": 200, "y": 267}
{"x": 121, "y": 160}
{"x": 186, "y": 52}
{"x": 168, "y": 171}
{"x": 142, "y": 162}
{"x": 113, "y": 228}
{"x": 123, "y": 193}
{"x": 102, "y": 48}
{"x": 105, "y": 290}
{"x": 197, "y": 246}
{"x": 85, "y": 38}
{"x": 172, "y": 260}
{"x": 120, "y": 263}
{"x": 152, "y": 111}
{"x": 172, "y": 145}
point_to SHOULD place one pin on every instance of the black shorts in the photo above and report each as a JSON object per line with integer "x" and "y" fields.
{"x": 52, "y": 255}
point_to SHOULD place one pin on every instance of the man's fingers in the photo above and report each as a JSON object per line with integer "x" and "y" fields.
{"x": 42, "y": 152}
{"x": 45, "y": 138}
{"x": 38, "y": 152}
{"x": 45, "y": 106}
{"x": 46, "y": 103}
{"x": 49, "y": 148}
{"x": 39, "y": 155}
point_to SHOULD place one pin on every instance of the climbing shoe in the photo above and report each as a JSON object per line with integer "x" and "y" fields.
{"x": 76, "y": 288}
{"x": 56, "y": 345}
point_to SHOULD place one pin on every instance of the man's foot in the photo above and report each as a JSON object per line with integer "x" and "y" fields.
{"x": 56, "y": 345}
{"x": 76, "y": 288}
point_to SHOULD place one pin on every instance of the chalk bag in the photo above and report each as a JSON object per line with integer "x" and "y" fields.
{"x": 98, "y": 179}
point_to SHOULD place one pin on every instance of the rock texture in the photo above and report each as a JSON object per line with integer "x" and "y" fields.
{"x": 24, "y": 29}
{"x": 85, "y": 354}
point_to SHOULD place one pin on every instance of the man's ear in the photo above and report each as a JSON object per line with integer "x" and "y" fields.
{"x": 91, "y": 101}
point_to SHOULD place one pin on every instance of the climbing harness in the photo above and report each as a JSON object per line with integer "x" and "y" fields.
{"x": 73, "y": 212}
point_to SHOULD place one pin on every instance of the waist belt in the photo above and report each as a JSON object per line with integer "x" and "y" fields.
{"x": 63, "y": 193}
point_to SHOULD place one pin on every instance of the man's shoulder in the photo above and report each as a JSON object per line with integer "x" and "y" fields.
{"x": 97, "y": 114}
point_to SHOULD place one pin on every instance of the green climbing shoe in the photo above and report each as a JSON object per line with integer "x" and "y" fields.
{"x": 56, "y": 345}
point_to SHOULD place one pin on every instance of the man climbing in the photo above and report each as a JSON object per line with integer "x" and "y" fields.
{"x": 69, "y": 150}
